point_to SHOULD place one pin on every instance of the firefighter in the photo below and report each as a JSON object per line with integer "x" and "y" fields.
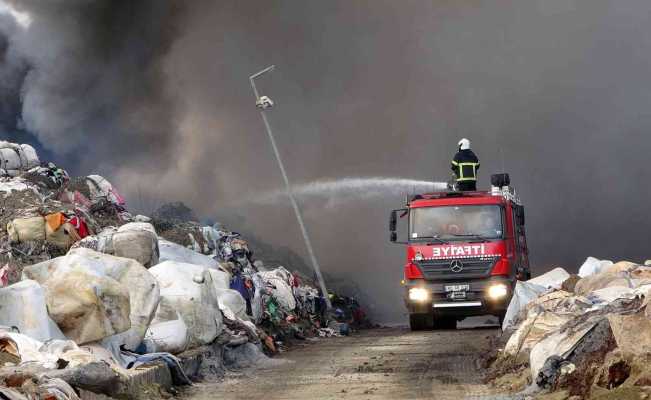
{"x": 465, "y": 165}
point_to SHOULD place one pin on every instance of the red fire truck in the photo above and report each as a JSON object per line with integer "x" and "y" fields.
{"x": 465, "y": 251}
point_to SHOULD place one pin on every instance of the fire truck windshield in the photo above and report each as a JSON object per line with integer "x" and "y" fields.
{"x": 459, "y": 223}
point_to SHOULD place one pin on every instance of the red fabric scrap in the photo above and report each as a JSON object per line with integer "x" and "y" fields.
{"x": 80, "y": 226}
{"x": 4, "y": 275}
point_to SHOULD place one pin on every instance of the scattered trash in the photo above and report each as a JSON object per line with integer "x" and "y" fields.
{"x": 88, "y": 291}
{"x": 4, "y": 275}
{"x": 577, "y": 332}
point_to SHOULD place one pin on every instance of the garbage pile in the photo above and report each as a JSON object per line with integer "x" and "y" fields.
{"x": 585, "y": 335}
{"x": 89, "y": 292}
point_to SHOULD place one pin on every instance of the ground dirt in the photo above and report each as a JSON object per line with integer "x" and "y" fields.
{"x": 385, "y": 363}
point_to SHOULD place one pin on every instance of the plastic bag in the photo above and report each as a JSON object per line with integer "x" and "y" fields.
{"x": 523, "y": 293}
{"x": 592, "y": 266}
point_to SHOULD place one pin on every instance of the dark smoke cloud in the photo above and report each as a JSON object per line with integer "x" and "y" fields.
{"x": 91, "y": 80}
{"x": 554, "y": 91}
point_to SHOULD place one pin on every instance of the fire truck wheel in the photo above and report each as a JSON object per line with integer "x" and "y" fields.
{"x": 419, "y": 322}
{"x": 445, "y": 323}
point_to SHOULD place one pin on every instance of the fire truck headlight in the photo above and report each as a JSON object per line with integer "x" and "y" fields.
{"x": 418, "y": 294}
{"x": 497, "y": 291}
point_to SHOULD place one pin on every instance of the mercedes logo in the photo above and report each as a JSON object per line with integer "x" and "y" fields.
{"x": 456, "y": 266}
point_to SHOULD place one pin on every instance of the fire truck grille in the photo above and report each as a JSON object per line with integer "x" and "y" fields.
{"x": 455, "y": 269}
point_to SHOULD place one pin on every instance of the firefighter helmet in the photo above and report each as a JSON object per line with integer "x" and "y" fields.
{"x": 464, "y": 144}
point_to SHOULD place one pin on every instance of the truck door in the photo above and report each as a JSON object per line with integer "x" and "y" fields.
{"x": 521, "y": 250}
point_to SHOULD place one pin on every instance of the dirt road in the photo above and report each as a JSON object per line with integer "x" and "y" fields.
{"x": 388, "y": 363}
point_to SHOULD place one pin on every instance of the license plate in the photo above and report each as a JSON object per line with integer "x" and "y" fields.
{"x": 457, "y": 295}
{"x": 457, "y": 288}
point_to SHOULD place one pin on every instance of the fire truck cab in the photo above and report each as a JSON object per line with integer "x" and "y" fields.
{"x": 465, "y": 251}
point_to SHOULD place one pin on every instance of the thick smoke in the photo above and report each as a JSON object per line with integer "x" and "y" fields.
{"x": 90, "y": 80}
{"x": 157, "y": 98}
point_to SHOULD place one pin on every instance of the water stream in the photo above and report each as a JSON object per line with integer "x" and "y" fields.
{"x": 336, "y": 191}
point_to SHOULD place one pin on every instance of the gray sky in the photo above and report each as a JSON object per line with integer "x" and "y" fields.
{"x": 155, "y": 95}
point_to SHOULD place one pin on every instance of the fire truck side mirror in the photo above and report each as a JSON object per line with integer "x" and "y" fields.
{"x": 519, "y": 213}
{"x": 393, "y": 236}
{"x": 393, "y": 221}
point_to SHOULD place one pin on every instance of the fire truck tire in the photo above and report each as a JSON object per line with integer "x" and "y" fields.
{"x": 419, "y": 322}
{"x": 445, "y": 323}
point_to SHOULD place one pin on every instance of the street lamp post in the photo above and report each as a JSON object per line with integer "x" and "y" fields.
{"x": 264, "y": 102}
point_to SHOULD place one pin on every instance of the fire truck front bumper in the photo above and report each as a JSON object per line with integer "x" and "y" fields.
{"x": 461, "y": 299}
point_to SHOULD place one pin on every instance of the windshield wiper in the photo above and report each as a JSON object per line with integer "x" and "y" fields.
{"x": 471, "y": 235}
{"x": 438, "y": 240}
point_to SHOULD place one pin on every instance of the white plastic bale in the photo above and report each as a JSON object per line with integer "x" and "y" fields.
{"x": 10, "y": 159}
{"x": 170, "y": 251}
{"x": 167, "y": 336}
{"x": 523, "y": 293}
{"x": 88, "y": 307}
{"x": 551, "y": 279}
{"x": 138, "y": 226}
{"x": 31, "y": 157}
{"x": 15, "y": 158}
{"x": 139, "y": 245}
{"x": 221, "y": 279}
{"x": 144, "y": 297}
{"x": 26, "y": 229}
{"x": 188, "y": 290}
{"x": 232, "y": 304}
{"x": 592, "y": 266}
{"x": 75, "y": 286}
{"x": 23, "y": 305}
